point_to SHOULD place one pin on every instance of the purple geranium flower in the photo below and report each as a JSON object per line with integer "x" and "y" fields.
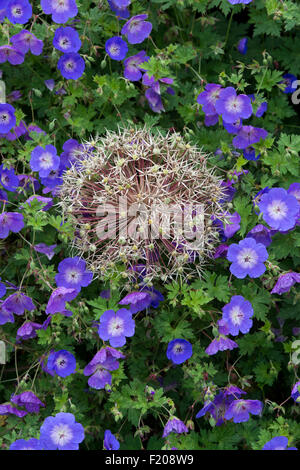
{"x": 217, "y": 407}
{"x": 235, "y": 2}
{"x": 110, "y": 442}
{"x": 2, "y": 289}
{"x": 237, "y": 314}
{"x": 240, "y": 410}
{"x": 28, "y": 399}
{"x": 220, "y": 343}
{"x": 279, "y": 208}
{"x": 261, "y": 234}
{"x": 221, "y": 251}
{"x": 11, "y": 54}
{"x": 11, "y": 410}
{"x": 26, "y": 41}
{"x": 289, "y": 80}
{"x": 247, "y": 258}
{"x": 71, "y": 65}
{"x": 5, "y": 315}
{"x": 10, "y": 221}
{"x": 50, "y": 84}
{"x": 61, "y": 432}
{"x": 46, "y": 201}
{"x": 242, "y": 46}
{"x": 132, "y": 71}
{"x": 19, "y": 11}
{"x": 8, "y": 179}
{"x": 278, "y": 443}
{"x": 116, "y": 48}
{"x": 72, "y": 274}
{"x": 62, "y": 362}
{"x": 66, "y": 39}
{"x": 234, "y": 127}
{"x": 117, "y": 7}
{"x": 27, "y": 331}
{"x": 31, "y": 444}
{"x": 179, "y": 350}
{"x": 72, "y": 150}
{"x": 156, "y": 296}
{"x": 248, "y": 135}
{"x": 262, "y": 107}
{"x": 232, "y": 106}
{"x": 174, "y": 425}
{"x": 116, "y": 326}
{"x": 208, "y": 99}
{"x": 3, "y": 7}
{"x": 61, "y": 10}
{"x": 296, "y": 392}
{"x": 44, "y": 160}
{"x": 138, "y": 301}
{"x": 7, "y": 118}
{"x": 137, "y": 29}
{"x": 285, "y": 282}
{"x": 105, "y": 360}
{"x": 229, "y": 226}
{"x": 58, "y": 298}
{"x": 18, "y": 302}
{"x": 154, "y": 100}
{"x": 47, "y": 250}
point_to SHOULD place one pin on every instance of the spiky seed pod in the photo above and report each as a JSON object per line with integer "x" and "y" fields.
{"x": 138, "y": 198}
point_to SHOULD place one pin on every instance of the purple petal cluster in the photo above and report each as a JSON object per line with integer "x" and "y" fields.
{"x": 110, "y": 442}
{"x": 137, "y": 29}
{"x": 279, "y": 209}
{"x": 237, "y": 314}
{"x": 62, "y": 362}
{"x": 179, "y": 350}
{"x": 174, "y": 425}
{"x": 72, "y": 274}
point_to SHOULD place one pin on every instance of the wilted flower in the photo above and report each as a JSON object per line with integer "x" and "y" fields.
{"x": 119, "y": 7}
{"x": 58, "y": 299}
{"x": 18, "y": 302}
{"x": 47, "y": 250}
{"x": 261, "y": 234}
{"x": 221, "y": 343}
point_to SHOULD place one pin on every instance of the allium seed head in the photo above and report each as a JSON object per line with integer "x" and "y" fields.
{"x": 142, "y": 198}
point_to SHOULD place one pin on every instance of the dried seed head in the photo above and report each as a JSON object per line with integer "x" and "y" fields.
{"x": 141, "y": 198}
